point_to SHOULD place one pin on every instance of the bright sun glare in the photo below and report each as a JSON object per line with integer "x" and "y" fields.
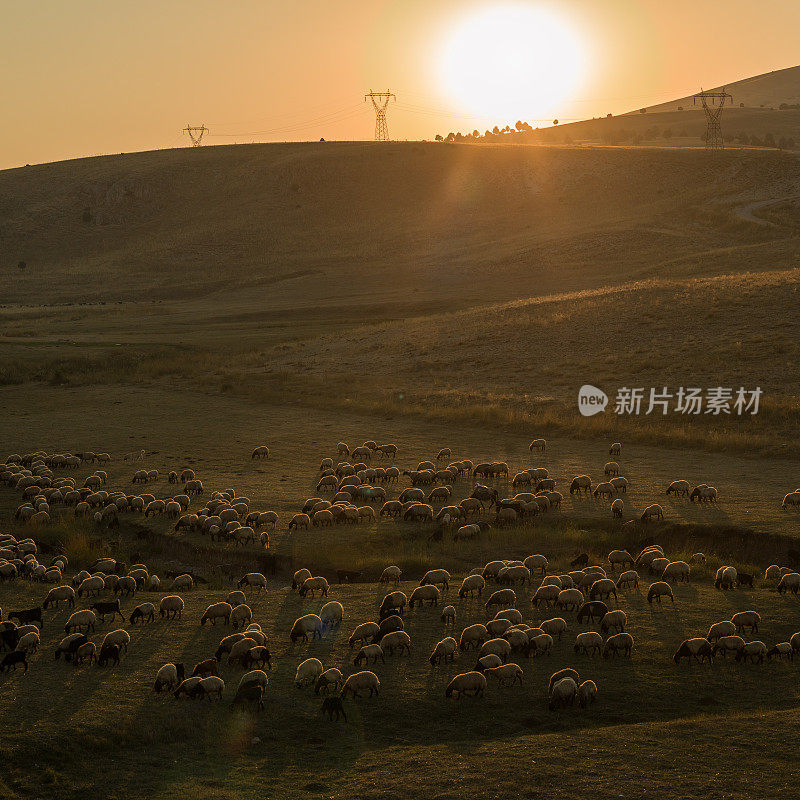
{"x": 512, "y": 61}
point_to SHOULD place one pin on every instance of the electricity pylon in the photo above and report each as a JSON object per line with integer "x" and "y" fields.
{"x": 380, "y": 100}
{"x": 196, "y": 133}
{"x": 713, "y": 105}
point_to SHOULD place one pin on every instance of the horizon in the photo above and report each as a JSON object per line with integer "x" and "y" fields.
{"x": 130, "y": 85}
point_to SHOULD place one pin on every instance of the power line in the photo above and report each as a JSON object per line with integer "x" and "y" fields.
{"x": 380, "y": 101}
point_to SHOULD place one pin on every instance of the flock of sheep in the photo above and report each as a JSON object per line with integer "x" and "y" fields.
{"x": 580, "y": 598}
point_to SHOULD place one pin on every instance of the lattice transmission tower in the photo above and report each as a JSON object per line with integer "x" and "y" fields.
{"x": 713, "y": 105}
{"x": 380, "y": 101}
{"x": 196, "y": 133}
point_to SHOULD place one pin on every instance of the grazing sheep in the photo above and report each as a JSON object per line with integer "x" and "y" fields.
{"x": 619, "y": 643}
{"x": 621, "y": 557}
{"x": 260, "y": 452}
{"x": 241, "y": 615}
{"x": 697, "y": 649}
{"x": 183, "y": 582}
{"x": 436, "y": 577}
{"x": 314, "y": 585}
{"x": 300, "y": 521}
{"x": 473, "y": 636}
{"x": 467, "y": 684}
{"x": 308, "y": 672}
{"x": 538, "y": 444}
{"x": 498, "y": 647}
{"x": 746, "y": 619}
{"x": 169, "y": 677}
{"x": 81, "y": 619}
{"x": 502, "y": 597}
{"x": 658, "y": 590}
{"x": 396, "y": 640}
{"x": 444, "y": 651}
{"x": 144, "y": 612}
{"x": 563, "y": 694}
{"x": 726, "y": 578}
{"x": 618, "y": 508}
{"x": 448, "y": 616}
{"x": 171, "y": 607}
{"x": 651, "y": 512}
{"x": 422, "y": 594}
{"x": 69, "y": 644}
{"x": 330, "y": 678}
{"x": 587, "y": 693}
{"x": 727, "y": 644}
{"x": 790, "y": 582}
{"x": 555, "y": 627}
{"x": 581, "y": 483}
{"x": 87, "y": 651}
{"x": 611, "y": 468}
{"x": 60, "y": 594}
{"x": 472, "y": 584}
{"x": 791, "y": 500}
{"x": 393, "y": 603}
{"x": 588, "y": 643}
{"x": 679, "y": 488}
{"x": 253, "y": 580}
{"x": 302, "y": 627}
{"x": 505, "y": 674}
{"x": 361, "y": 682}
{"x": 366, "y": 631}
{"x": 752, "y": 651}
{"x": 207, "y": 687}
{"x": 592, "y": 610}
{"x": 676, "y": 571}
{"x": 391, "y": 575}
{"x": 704, "y": 494}
{"x": 614, "y": 620}
{"x": 720, "y": 629}
{"x": 567, "y": 672}
{"x": 186, "y": 687}
{"x": 567, "y": 599}
{"x": 603, "y": 589}
{"x": 367, "y": 652}
{"x": 782, "y": 650}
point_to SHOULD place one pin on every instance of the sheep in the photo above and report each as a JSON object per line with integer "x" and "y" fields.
{"x": 581, "y": 483}
{"x": 502, "y": 597}
{"x": 604, "y": 489}
{"x": 505, "y": 674}
{"x": 329, "y": 678}
{"x": 470, "y": 585}
{"x": 86, "y": 651}
{"x": 366, "y": 631}
{"x": 422, "y": 594}
{"x": 539, "y": 644}
{"x": 171, "y": 607}
{"x": 618, "y": 508}
{"x": 108, "y": 652}
{"x": 497, "y": 627}
{"x": 467, "y": 683}
{"x": 91, "y": 586}
{"x": 240, "y": 650}
{"x": 627, "y": 579}
{"x": 367, "y": 652}
{"x": 602, "y": 588}
{"x": 651, "y": 512}
{"x": 361, "y": 682}
{"x": 619, "y": 643}
{"x": 538, "y": 444}
{"x": 567, "y": 672}
{"x": 302, "y": 627}
{"x": 698, "y": 649}
{"x": 81, "y": 619}
{"x": 69, "y": 644}
{"x": 253, "y": 580}
{"x": 119, "y": 637}
{"x": 169, "y": 677}
{"x": 658, "y": 590}
{"x": 299, "y": 578}
{"x": 726, "y": 578}
{"x": 125, "y": 585}
{"x": 746, "y": 619}
{"x": 675, "y": 572}
{"x": 792, "y": 499}
{"x": 144, "y": 612}
{"x": 396, "y": 640}
{"x": 314, "y": 585}
{"x": 720, "y": 629}
{"x": 614, "y": 620}
{"x": 260, "y": 452}
{"x": 436, "y": 577}
{"x": 205, "y": 668}
{"x": 473, "y": 636}
{"x": 448, "y": 616}
{"x": 182, "y": 582}
{"x": 678, "y": 488}
{"x": 781, "y": 650}
{"x": 555, "y": 627}
{"x": 567, "y": 599}
{"x": 754, "y": 651}
{"x": 299, "y": 521}
{"x": 241, "y": 615}
{"x": 29, "y": 642}
{"x": 186, "y": 687}
{"x": 727, "y": 644}
{"x": 393, "y": 603}
{"x": 592, "y": 610}
{"x": 206, "y": 687}
{"x": 562, "y": 694}
{"x": 548, "y": 594}
{"x": 588, "y": 643}
{"x": 498, "y": 647}
{"x": 391, "y": 575}
{"x": 704, "y": 494}
{"x": 790, "y": 582}
{"x": 444, "y": 651}
{"x": 698, "y": 558}
{"x": 60, "y": 594}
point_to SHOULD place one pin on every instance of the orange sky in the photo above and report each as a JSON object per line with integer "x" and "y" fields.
{"x": 85, "y": 77}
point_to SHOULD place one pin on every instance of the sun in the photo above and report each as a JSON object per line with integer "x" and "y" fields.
{"x": 512, "y": 61}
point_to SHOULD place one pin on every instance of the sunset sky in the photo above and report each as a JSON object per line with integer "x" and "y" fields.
{"x": 85, "y": 77}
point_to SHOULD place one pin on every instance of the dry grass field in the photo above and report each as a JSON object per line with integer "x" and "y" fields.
{"x": 432, "y": 296}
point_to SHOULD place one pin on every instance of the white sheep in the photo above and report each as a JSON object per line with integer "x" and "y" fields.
{"x": 562, "y": 694}
{"x": 587, "y": 693}
{"x": 361, "y": 682}
{"x": 468, "y": 683}
{"x": 588, "y": 643}
{"x": 499, "y": 647}
{"x": 676, "y": 571}
{"x": 472, "y": 584}
{"x": 168, "y": 677}
{"x": 171, "y": 606}
{"x": 84, "y": 618}
{"x": 614, "y": 620}
{"x": 505, "y": 674}
{"x": 720, "y": 629}
{"x": 396, "y": 640}
{"x": 302, "y": 627}
{"x": 241, "y": 615}
{"x": 366, "y": 631}
{"x": 422, "y": 594}
{"x": 449, "y": 615}
{"x": 473, "y": 636}
{"x": 444, "y": 651}
{"x": 331, "y": 615}
{"x": 391, "y": 575}
{"x": 308, "y": 672}
{"x": 746, "y": 619}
